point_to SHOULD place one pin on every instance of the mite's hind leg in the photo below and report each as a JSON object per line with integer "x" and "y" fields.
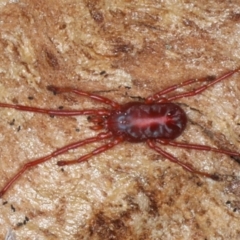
{"x": 188, "y": 167}
{"x": 198, "y": 147}
{"x": 157, "y": 97}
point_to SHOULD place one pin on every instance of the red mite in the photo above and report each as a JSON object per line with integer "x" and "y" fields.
{"x": 156, "y": 121}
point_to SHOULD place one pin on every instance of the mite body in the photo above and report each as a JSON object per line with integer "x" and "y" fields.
{"x": 138, "y": 122}
{"x": 158, "y": 120}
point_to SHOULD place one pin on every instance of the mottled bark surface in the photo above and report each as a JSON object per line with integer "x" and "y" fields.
{"x": 123, "y": 50}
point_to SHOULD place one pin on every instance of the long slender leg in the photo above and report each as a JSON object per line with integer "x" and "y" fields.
{"x": 61, "y": 112}
{"x": 57, "y": 152}
{"x": 98, "y": 150}
{"x": 188, "y": 167}
{"x": 159, "y": 95}
{"x": 197, "y": 147}
{"x": 57, "y": 90}
{"x": 56, "y": 112}
{"x": 204, "y": 87}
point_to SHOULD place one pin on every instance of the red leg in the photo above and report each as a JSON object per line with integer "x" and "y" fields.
{"x": 94, "y": 152}
{"x": 159, "y": 95}
{"x": 55, "y": 112}
{"x": 57, "y": 90}
{"x": 197, "y": 147}
{"x": 57, "y": 152}
{"x": 60, "y": 112}
{"x": 188, "y": 167}
{"x": 204, "y": 87}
